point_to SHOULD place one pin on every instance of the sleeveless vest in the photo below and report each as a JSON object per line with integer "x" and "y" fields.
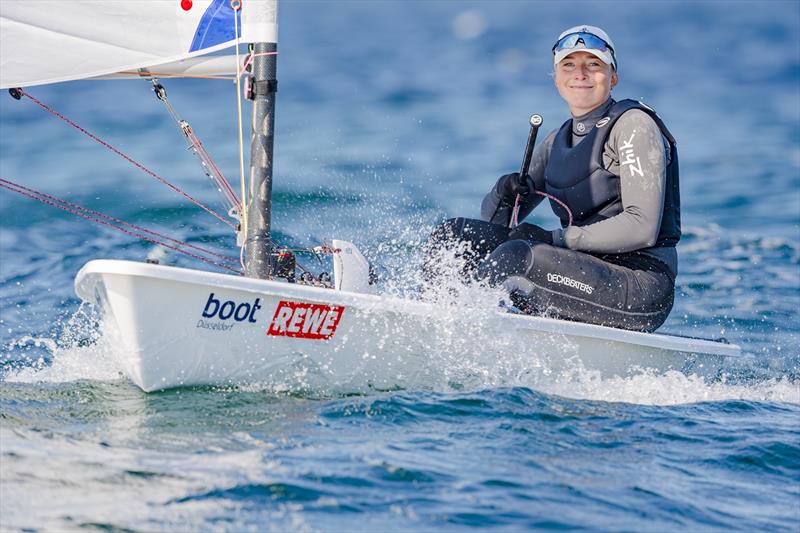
{"x": 576, "y": 176}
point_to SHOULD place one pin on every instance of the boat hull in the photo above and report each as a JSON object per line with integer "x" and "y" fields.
{"x": 173, "y": 327}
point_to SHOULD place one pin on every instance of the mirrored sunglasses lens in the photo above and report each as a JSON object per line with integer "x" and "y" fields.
{"x": 587, "y": 39}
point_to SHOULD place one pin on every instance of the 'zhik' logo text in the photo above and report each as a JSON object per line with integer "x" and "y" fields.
{"x": 305, "y": 320}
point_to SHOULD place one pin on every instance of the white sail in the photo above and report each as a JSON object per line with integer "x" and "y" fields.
{"x": 223, "y": 66}
{"x": 49, "y": 41}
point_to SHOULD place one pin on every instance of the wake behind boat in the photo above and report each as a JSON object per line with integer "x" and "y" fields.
{"x": 181, "y": 327}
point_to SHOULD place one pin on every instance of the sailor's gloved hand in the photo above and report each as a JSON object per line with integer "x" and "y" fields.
{"x": 510, "y": 185}
{"x": 531, "y": 232}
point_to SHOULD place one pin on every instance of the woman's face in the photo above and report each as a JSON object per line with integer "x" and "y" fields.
{"x": 584, "y": 81}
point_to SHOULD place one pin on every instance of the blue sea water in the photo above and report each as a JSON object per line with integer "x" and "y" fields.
{"x": 391, "y": 116}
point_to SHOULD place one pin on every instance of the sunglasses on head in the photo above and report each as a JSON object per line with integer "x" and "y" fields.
{"x": 588, "y": 40}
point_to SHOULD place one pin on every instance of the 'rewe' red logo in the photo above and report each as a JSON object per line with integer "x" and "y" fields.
{"x": 305, "y": 320}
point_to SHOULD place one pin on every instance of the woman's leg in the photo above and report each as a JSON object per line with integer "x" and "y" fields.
{"x": 467, "y": 238}
{"x": 628, "y": 291}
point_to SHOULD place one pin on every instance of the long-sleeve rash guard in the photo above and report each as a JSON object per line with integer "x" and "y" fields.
{"x": 638, "y": 153}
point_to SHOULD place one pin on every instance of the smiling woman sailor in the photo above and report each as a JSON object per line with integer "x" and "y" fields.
{"x": 611, "y": 174}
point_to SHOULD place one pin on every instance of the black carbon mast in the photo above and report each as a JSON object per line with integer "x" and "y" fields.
{"x": 258, "y": 240}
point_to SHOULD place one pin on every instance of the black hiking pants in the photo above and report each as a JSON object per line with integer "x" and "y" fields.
{"x": 630, "y": 291}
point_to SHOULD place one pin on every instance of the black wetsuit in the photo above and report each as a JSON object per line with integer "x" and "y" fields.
{"x": 616, "y": 264}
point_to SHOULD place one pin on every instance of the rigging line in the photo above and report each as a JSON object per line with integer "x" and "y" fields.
{"x": 209, "y": 167}
{"x": 133, "y": 162}
{"x": 6, "y": 182}
{"x": 250, "y": 57}
{"x": 161, "y": 94}
{"x": 123, "y": 230}
{"x": 221, "y": 182}
{"x": 236, "y": 5}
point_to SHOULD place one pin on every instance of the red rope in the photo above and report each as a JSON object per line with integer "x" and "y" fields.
{"x": 118, "y": 221}
{"x": 559, "y": 202}
{"x": 135, "y": 163}
{"x": 138, "y": 233}
{"x": 515, "y": 212}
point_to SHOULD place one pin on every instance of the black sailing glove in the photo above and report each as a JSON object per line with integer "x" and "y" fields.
{"x": 510, "y": 185}
{"x": 531, "y": 232}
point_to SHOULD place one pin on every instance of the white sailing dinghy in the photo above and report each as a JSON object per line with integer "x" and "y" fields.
{"x": 176, "y": 327}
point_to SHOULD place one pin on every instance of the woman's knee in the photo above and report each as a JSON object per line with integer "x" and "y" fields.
{"x": 547, "y": 256}
{"x": 479, "y": 234}
{"x": 512, "y": 258}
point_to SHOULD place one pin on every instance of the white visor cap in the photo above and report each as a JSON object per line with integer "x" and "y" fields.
{"x": 606, "y": 55}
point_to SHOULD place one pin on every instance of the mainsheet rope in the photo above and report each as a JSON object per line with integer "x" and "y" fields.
{"x": 115, "y": 223}
{"x": 127, "y": 158}
{"x": 518, "y": 203}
